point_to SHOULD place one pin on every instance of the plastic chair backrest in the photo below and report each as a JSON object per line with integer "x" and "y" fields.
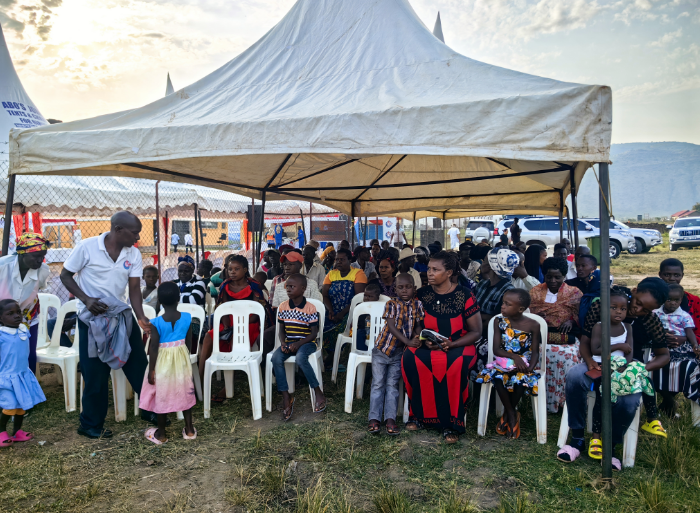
{"x": 543, "y": 337}
{"x": 168, "y": 274}
{"x": 196, "y": 311}
{"x": 69, "y": 307}
{"x": 46, "y": 301}
{"x": 149, "y": 312}
{"x": 359, "y": 298}
{"x": 268, "y": 285}
{"x": 241, "y": 312}
{"x": 375, "y": 310}
{"x": 321, "y": 309}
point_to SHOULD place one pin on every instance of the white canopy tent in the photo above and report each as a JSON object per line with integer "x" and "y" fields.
{"x": 356, "y": 105}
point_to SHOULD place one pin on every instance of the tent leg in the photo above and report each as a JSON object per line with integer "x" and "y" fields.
{"x": 413, "y": 237}
{"x": 156, "y": 236}
{"x": 196, "y": 237}
{"x": 604, "y": 201}
{"x": 311, "y": 222}
{"x": 8, "y": 214}
{"x": 574, "y": 207}
{"x": 262, "y": 223}
{"x": 561, "y": 215}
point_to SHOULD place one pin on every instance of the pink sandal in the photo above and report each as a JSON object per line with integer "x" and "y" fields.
{"x": 22, "y": 436}
{"x": 151, "y": 436}
{"x": 5, "y": 440}
{"x": 571, "y": 452}
{"x": 188, "y": 437}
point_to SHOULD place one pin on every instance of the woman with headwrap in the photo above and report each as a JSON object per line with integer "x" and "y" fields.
{"x": 386, "y": 269}
{"x": 21, "y": 277}
{"x": 558, "y": 303}
{"x": 328, "y": 258}
{"x": 496, "y": 274}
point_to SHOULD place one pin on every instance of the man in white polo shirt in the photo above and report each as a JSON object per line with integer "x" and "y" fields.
{"x": 106, "y": 266}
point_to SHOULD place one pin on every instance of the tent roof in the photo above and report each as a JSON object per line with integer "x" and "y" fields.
{"x": 356, "y": 105}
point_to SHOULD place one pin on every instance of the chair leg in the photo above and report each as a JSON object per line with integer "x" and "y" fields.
{"x": 499, "y": 407}
{"x": 71, "y": 376}
{"x": 591, "y": 405}
{"x": 129, "y": 390}
{"x": 695, "y": 411}
{"x": 350, "y": 382}
{"x": 254, "y": 384}
{"x": 563, "y": 427}
{"x": 197, "y": 381}
{"x": 336, "y": 360}
{"x": 228, "y": 380}
{"x": 360, "y": 379}
{"x": 406, "y": 410}
{"x": 313, "y": 361}
{"x": 268, "y": 383}
{"x": 290, "y": 371}
{"x": 218, "y": 375}
{"x": 180, "y": 416}
{"x": 207, "y": 390}
{"x": 59, "y": 376}
{"x": 629, "y": 445}
{"x": 539, "y": 407}
{"x": 484, "y": 400}
{"x": 119, "y": 393}
{"x": 399, "y": 406}
{"x": 137, "y": 410}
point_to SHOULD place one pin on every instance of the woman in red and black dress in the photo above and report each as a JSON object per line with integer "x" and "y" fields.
{"x": 436, "y": 374}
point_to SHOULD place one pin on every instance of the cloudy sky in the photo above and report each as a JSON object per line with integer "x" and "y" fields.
{"x": 80, "y": 58}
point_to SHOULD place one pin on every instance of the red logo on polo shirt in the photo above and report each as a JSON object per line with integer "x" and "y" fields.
{"x": 127, "y": 264}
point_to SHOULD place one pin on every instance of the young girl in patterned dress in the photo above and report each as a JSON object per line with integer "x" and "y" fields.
{"x": 516, "y": 351}
{"x": 167, "y": 385}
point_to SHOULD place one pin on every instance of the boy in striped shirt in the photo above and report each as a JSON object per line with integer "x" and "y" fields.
{"x": 298, "y": 321}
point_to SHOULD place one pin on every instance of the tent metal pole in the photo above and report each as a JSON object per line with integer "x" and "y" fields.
{"x": 252, "y": 236}
{"x": 364, "y": 233}
{"x": 8, "y": 215}
{"x": 574, "y": 207}
{"x": 604, "y": 201}
{"x": 196, "y": 238}
{"x": 201, "y": 232}
{"x": 262, "y": 223}
{"x": 413, "y": 237}
{"x": 561, "y": 215}
{"x": 311, "y": 221}
{"x": 351, "y": 218}
{"x": 156, "y": 235}
{"x": 568, "y": 224}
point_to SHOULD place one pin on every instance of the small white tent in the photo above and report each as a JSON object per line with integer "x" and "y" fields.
{"x": 356, "y": 105}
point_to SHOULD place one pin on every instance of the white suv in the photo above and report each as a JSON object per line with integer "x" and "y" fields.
{"x": 475, "y": 224}
{"x": 685, "y": 233}
{"x": 545, "y": 231}
{"x": 644, "y": 238}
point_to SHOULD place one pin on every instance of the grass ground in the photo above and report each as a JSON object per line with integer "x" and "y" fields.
{"x": 327, "y": 462}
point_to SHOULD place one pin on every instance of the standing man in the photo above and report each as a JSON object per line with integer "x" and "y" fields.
{"x": 107, "y": 265}
{"x": 400, "y": 235}
{"x": 188, "y": 243}
{"x": 279, "y": 235}
{"x": 301, "y": 238}
{"x": 22, "y": 276}
{"x": 312, "y": 268}
{"x": 175, "y": 240}
{"x": 515, "y": 232}
{"x": 454, "y": 236}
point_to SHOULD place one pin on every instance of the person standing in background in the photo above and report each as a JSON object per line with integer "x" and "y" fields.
{"x": 301, "y": 238}
{"x": 515, "y": 232}
{"x": 175, "y": 240}
{"x": 454, "y": 236}
{"x": 188, "y": 243}
{"x": 279, "y": 234}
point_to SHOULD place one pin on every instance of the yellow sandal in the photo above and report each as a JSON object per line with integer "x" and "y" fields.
{"x": 655, "y": 428}
{"x": 595, "y": 449}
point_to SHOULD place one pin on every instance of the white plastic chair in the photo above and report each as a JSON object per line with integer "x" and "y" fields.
{"x": 66, "y": 358}
{"x": 316, "y": 360}
{"x": 539, "y": 402}
{"x": 629, "y": 445}
{"x": 210, "y": 303}
{"x": 240, "y": 358}
{"x": 358, "y": 359}
{"x": 345, "y": 338}
{"x": 46, "y": 301}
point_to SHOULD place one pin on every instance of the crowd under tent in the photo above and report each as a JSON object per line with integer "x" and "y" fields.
{"x": 358, "y": 106}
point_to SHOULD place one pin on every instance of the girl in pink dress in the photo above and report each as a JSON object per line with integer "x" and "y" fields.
{"x": 167, "y": 385}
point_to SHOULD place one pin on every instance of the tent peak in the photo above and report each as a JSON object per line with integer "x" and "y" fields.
{"x": 437, "y": 31}
{"x": 169, "y": 89}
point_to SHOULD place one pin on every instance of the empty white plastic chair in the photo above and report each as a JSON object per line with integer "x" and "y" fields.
{"x": 345, "y": 338}
{"x": 46, "y": 301}
{"x": 316, "y": 360}
{"x": 539, "y": 402}
{"x": 358, "y": 359}
{"x": 65, "y": 358}
{"x": 240, "y": 358}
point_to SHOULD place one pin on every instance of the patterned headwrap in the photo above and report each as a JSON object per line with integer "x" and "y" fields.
{"x": 503, "y": 261}
{"x": 187, "y": 259}
{"x": 31, "y": 243}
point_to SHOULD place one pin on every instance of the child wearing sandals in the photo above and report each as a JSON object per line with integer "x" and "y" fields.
{"x": 19, "y": 388}
{"x": 404, "y": 322}
{"x": 629, "y": 381}
{"x": 167, "y": 385}
{"x": 516, "y": 350}
{"x": 298, "y": 323}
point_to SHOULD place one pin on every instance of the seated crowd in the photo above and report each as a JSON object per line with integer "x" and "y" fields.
{"x": 437, "y": 307}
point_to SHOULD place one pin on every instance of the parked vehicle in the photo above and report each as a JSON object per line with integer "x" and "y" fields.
{"x": 473, "y": 224}
{"x": 644, "y": 238}
{"x": 685, "y": 233}
{"x": 545, "y": 231}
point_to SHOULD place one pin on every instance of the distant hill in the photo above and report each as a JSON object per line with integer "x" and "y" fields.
{"x": 647, "y": 178}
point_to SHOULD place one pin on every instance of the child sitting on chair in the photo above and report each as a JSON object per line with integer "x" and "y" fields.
{"x": 404, "y": 321}
{"x": 298, "y": 325}
{"x": 19, "y": 388}
{"x": 516, "y": 351}
{"x": 167, "y": 385}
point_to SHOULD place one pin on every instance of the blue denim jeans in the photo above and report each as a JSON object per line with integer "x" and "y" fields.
{"x": 577, "y": 387}
{"x": 302, "y": 359}
{"x": 384, "y": 396}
